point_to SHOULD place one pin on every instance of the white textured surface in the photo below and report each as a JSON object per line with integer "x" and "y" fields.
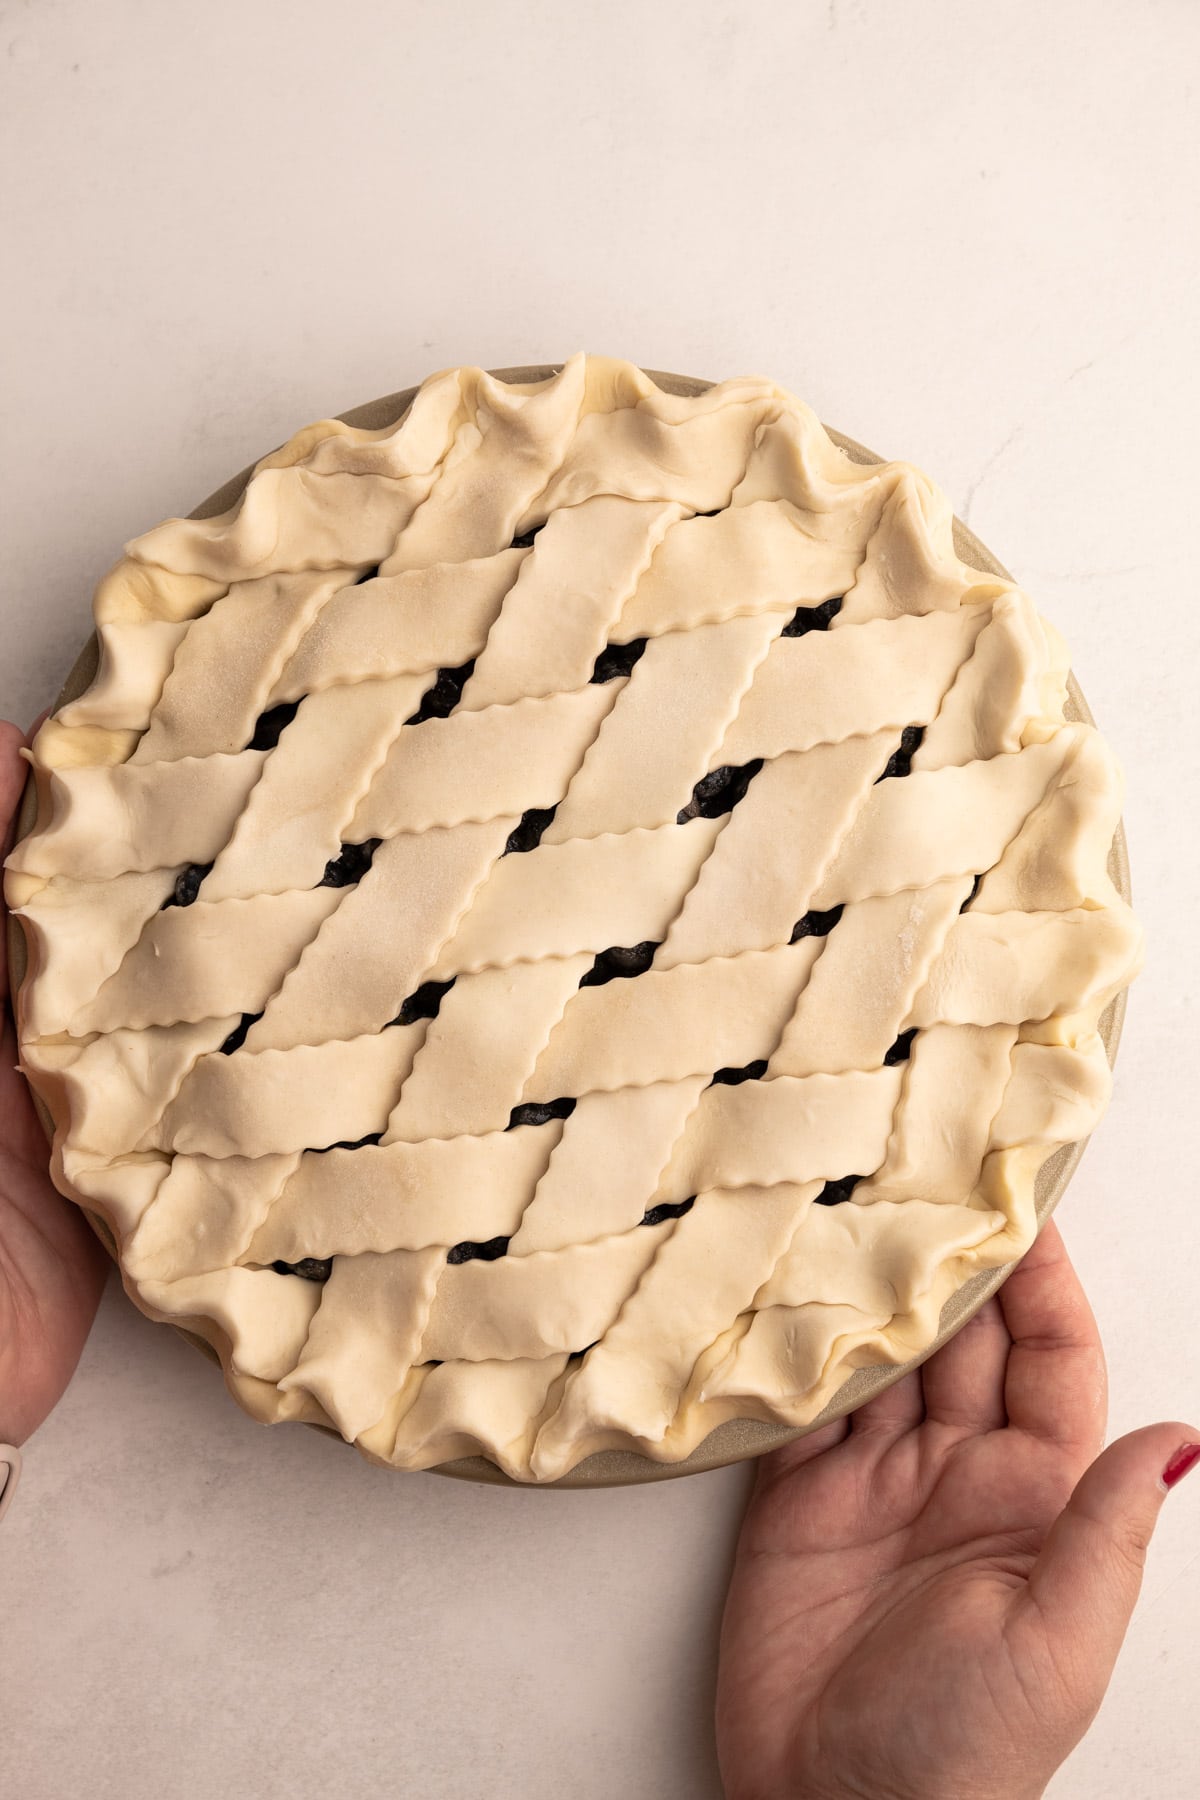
{"x": 967, "y": 236}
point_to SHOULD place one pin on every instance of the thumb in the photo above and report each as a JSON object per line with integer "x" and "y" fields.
{"x": 1086, "y": 1581}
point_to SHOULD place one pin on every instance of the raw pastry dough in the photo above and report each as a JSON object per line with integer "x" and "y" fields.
{"x": 450, "y": 813}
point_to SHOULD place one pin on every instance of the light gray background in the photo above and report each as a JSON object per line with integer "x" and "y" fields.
{"x": 968, "y": 235}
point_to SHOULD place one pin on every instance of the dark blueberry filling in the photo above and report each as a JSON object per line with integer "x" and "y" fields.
{"x": 309, "y": 1268}
{"x": 361, "y": 1143}
{"x": 527, "y": 835}
{"x": 491, "y": 1250}
{"x": 901, "y": 1050}
{"x": 669, "y": 1209}
{"x": 716, "y": 511}
{"x": 834, "y": 1192}
{"x": 815, "y": 924}
{"x": 617, "y": 659}
{"x": 187, "y": 885}
{"x": 719, "y": 792}
{"x": 539, "y": 1112}
{"x": 424, "y": 1003}
{"x": 270, "y": 726}
{"x": 620, "y": 963}
{"x": 734, "y": 1077}
{"x": 349, "y": 865}
{"x": 237, "y": 1036}
{"x": 440, "y": 700}
{"x": 975, "y": 887}
{"x": 524, "y": 539}
{"x": 368, "y": 574}
{"x": 812, "y": 618}
{"x": 900, "y": 761}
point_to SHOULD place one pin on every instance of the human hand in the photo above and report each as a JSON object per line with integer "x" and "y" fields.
{"x": 52, "y": 1266}
{"x": 929, "y": 1597}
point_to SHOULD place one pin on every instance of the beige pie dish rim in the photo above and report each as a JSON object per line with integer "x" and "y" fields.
{"x": 736, "y": 1440}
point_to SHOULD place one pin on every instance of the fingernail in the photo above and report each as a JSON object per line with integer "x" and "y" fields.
{"x": 1185, "y": 1458}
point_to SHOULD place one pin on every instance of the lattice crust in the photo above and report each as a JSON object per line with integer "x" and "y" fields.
{"x": 566, "y": 920}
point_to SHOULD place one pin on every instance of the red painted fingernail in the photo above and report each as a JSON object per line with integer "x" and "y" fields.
{"x": 1185, "y": 1458}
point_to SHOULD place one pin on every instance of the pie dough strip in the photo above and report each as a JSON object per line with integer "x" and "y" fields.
{"x": 374, "y": 951}
{"x": 113, "y": 1090}
{"x": 106, "y": 822}
{"x": 746, "y": 559}
{"x": 680, "y": 697}
{"x": 607, "y": 1162}
{"x": 136, "y": 656}
{"x": 68, "y": 960}
{"x": 424, "y": 619}
{"x": 490, "y": 480}
{"x": 190, "y": 962}
{"x": 875, "y": 961}
{"x": 945, "y": 822}
{"x": 689, "y": 1020}
{"x": 587, "y": 894}
{"x": 854, "y": 1255}
{"x": 402, "y": 1196}
{"x": 473, "y": 1065}
{"x": 706, "y": 1272}
{"x": 999, "y": 691}
{"x": 1014, "y": 967}
{"x": 330, "y": 484}
{"x": 793, "y": 1354}
{"x": 294, "y": 820}
{"x": 120, "y": 1191}
{"x": 704, "y": 442}
{"x": 224, "y": 668}
{"x": 266, "y": 1317}
{"x": 366, "y": 1334}
{"x": 953, "y": 1084}
{"x": 836, "y": 501}
{"x": 204, "y": 1214}
{"x": 827, "y": 686}
{"x": 559, "y": 614}
{"x": 774, "y": 849}
{"x": 1058, "y": 858}
{"x": 815, "y": 1128}
{"x": 532, "y": 1306}
{"x": 910, "y": 565}
{"x": 1056, "y": 1094}
{"x": 464, "y": 1409}
{"x": 255, "y": 1103}
{"x": 291, "y": 519}
{"x": 481, "y": 765}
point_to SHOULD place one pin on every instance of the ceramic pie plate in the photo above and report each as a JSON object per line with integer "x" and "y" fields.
{"x": 737, "y": 1439}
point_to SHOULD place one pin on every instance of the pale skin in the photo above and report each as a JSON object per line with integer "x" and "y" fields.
{"x": 51, "y": 1265}
{"x": 927, "y": 1600}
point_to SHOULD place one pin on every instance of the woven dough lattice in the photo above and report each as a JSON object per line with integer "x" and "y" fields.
{"x": 566, "y": 920}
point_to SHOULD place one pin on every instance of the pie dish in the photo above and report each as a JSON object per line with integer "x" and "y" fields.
{"x": 565, "y": 920}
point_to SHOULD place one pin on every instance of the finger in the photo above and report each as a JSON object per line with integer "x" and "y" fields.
{"x": 12, "y": 775}
{"x": 1085, "y": 1583}
{"x": 1056, "y": 1386}
{"x": 777, "y": 1464}
{"x": 12, "y": 782}
{"x": 898, "y": 1409}
{"x": 964, "y": 1380}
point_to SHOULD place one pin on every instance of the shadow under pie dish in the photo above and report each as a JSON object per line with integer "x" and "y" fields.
{"x": 568, "y": 919}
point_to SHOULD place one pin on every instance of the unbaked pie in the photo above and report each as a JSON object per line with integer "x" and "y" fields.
{"x": 566, "y": 920}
